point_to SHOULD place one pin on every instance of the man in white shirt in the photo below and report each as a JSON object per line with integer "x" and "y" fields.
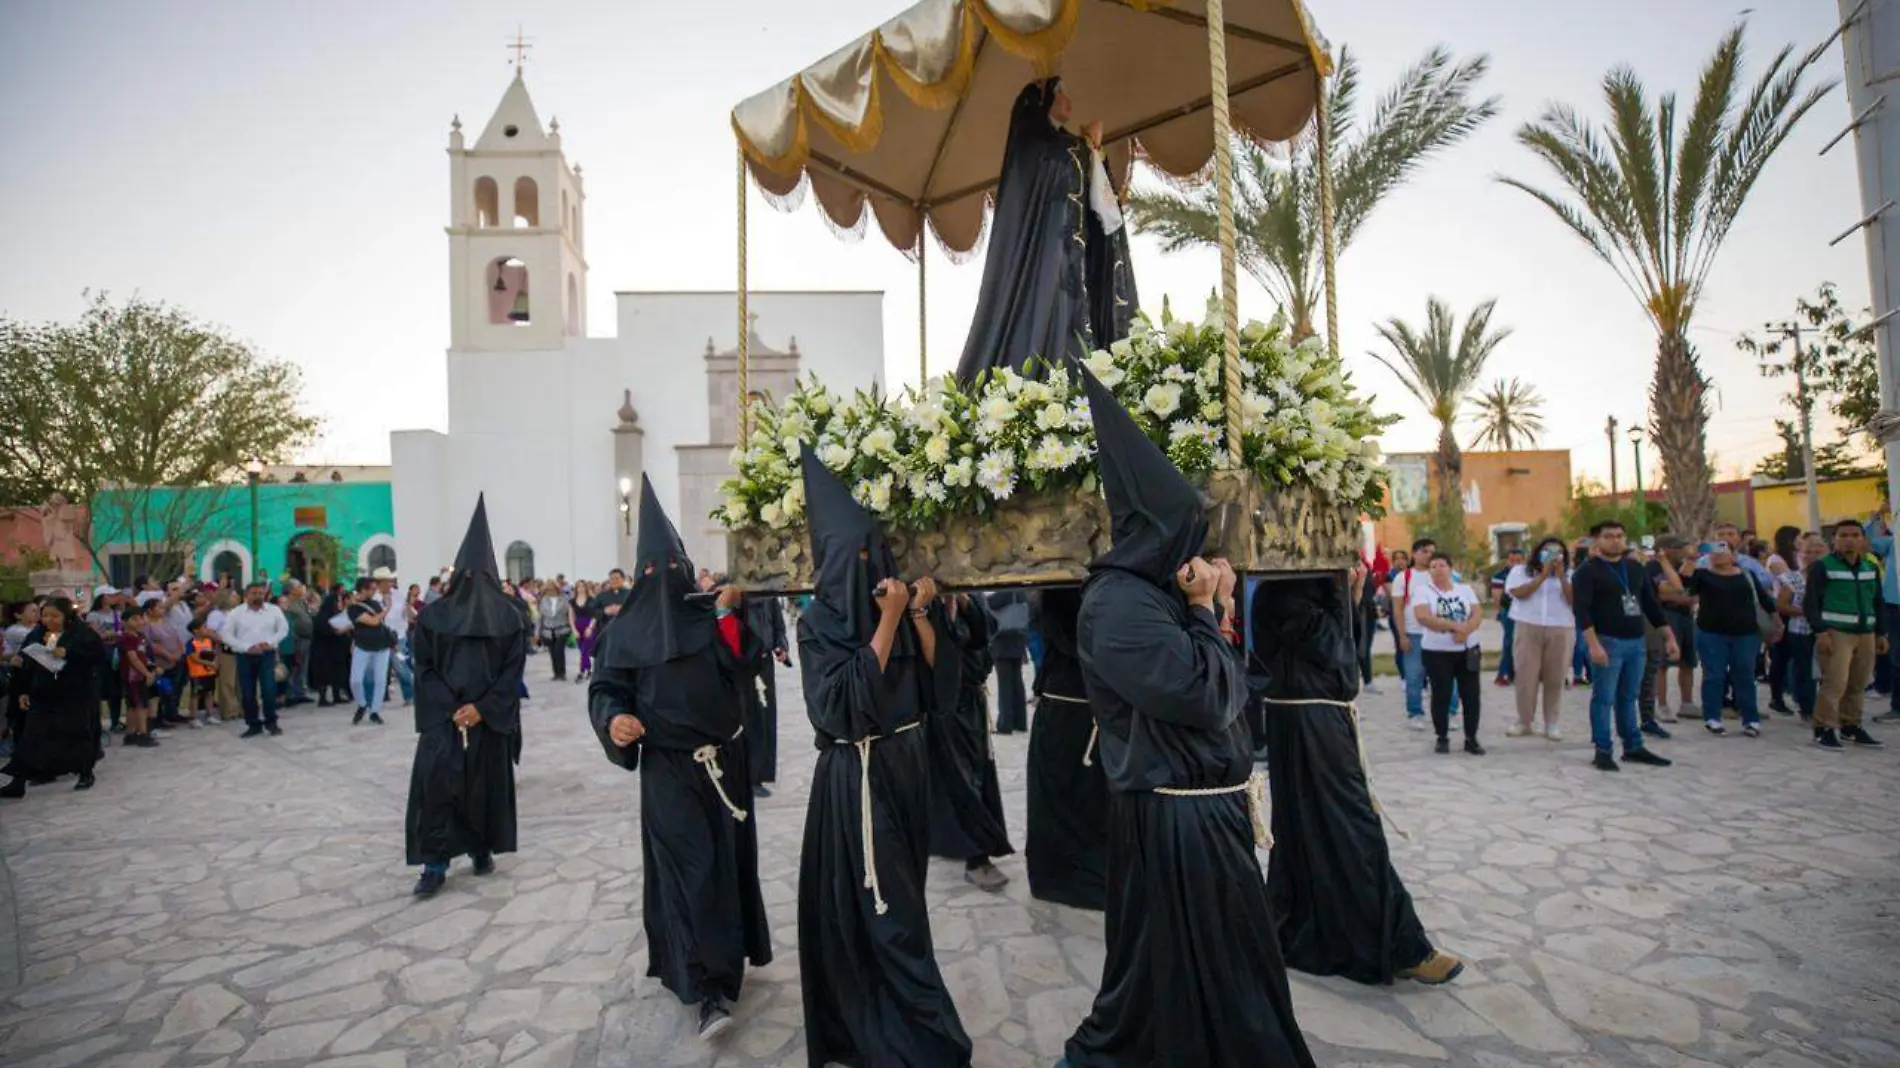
{"x": 396, "y": 618}
{"x": 253, "y": 631}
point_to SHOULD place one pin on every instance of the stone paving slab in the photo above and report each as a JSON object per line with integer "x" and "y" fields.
{"x": 223, "y": 902}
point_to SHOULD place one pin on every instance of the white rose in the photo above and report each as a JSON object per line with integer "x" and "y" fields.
{"x": 792, "y": 505}
{"x": 881, "y": 494}
{"x": 835, "y": 456}
{"x": 880, "y": 441}
{"x": 773, "y": 515}
{"x": 794, "y": 447}
{"x": 737, "y": 513}
{"x": 818, "y": 404}
{"x": 1211, "y": 410}
{"x": 1052, "y": 417}
{"x": 1162, "y": 399}
{"x": 1123, "y": 349}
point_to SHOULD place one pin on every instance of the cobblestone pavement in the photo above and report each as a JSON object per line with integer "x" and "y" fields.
{"x": 222, "y": 902}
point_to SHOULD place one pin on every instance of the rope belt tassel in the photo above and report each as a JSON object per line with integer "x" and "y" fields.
{"x": 865, "y": 822}
{"x": 1359, "y": 739}
{"x": 1095, "y": 728}
{"x": 1256, "y": 790}
{"x": 707, "y": 756}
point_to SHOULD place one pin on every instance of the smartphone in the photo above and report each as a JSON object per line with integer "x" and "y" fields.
{"x": 1649, "y": 542}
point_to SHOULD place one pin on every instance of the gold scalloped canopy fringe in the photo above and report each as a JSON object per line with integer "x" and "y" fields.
{"x": 1040, "y": 47}
{"x": 1322, "y": 59}
{"x": 940, "y": 94}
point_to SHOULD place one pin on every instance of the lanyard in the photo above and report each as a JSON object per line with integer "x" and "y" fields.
{"x": 1621, "y": 579}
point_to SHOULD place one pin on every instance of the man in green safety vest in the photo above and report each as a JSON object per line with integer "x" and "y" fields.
{"x": 1843, "y": 607}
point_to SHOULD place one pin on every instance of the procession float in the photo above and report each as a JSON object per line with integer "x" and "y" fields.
{"x": 986, "y": 477}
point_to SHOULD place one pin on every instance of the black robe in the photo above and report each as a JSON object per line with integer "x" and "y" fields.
{"x": 59, "y": 734}
{"x": 1067, "y": 847}
{"x": 329, "y": 651}
{"x": 702, "y": 906}
{"x": 874, "y": 996}
{"x": 1046, "y": 251}
{"x": 1343, "y": 910}
{"x": 462, "y": 799}
{"x": 1193, "y": 974}
{"x": 966, "y": 799}
{"x": 765, "y": 618}
{"x": 1009, "y": 645}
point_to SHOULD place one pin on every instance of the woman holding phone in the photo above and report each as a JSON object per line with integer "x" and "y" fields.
{"x": 1546, "y": 632}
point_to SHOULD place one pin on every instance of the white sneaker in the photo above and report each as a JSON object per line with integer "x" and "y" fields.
{"x": 1370, "y": 687}
{"x": 1664, "y": 714}
{"x": 1516, "y": 730}
{"x": 1553, "y": 734}
{"x": 1688, "y": 711}
{"x": 1417, "y": 723}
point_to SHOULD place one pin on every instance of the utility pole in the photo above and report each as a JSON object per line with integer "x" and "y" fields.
{"x": 1610, "y": 432}
{"x": 1806, "y": 407}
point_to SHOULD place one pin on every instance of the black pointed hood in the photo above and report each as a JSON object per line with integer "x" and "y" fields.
{"x": 661, "y": 621}
{"x": 475, "y": 606}
{"x": 1159, "y": 519}
{"x": 844, "y": 604}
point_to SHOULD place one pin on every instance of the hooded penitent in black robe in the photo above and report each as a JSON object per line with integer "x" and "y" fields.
{"x": 1343, "y": 909}
{"x": 58, "y": 733}
{"x": 1067, "y": 847}
{"x": 874, "y": 997}
{"x": 1054, "y": 281}
{"x": 664, "y": 661}
{"x": 765, "y": 620}
{"x": 469, "y": 647}
{"x": 966, "y": 799}
{"x": 1009, "y": 644}
{"x": 1193, "y": 974}
{"x": 329, "y": 652}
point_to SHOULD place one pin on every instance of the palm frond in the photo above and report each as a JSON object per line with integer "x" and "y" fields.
{"x": 1634, "y": 143}
{"x": 1439, "y": 364}
{"x": 1506, "y": 415}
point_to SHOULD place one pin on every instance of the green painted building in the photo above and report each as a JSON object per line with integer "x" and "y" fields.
{"x": 316, "y": 524}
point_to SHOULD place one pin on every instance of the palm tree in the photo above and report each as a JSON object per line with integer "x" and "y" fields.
{"x": 1654, "y": 199}
{"x": 1508, "y": 414}
{"x": 1276, "y": 211}
{"x": 1440, "y": 365}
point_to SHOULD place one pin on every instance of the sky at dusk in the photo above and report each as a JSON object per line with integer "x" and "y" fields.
{"x": 280, "y": 169}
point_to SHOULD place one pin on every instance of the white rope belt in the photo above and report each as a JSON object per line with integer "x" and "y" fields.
{"x": 1359, "y": 738}
{"x": 707, "y": 756}
{"x": 865, "y": 823}
{"x": 1095, "y": 728}
{"x": 1256, "y": 790}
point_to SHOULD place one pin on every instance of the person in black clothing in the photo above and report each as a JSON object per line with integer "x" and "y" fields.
{"x": 1612, "y": 598}
{"x": 765, "y": 620}
{"x": 370, "y": 645}
{"x": 1067, "y": 843}
{"x": 1727, "y": 636}
{"x": 58, "y": 719}
{"x": 1008, "y": 646}
{"x": 966, "y": 795}
{"x": 1193, "y": 973}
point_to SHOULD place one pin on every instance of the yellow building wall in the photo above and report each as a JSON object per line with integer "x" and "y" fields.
{"x": 1787, "y": 505}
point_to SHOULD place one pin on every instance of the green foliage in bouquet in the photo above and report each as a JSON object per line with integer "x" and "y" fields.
{"x": 944, "y": 450}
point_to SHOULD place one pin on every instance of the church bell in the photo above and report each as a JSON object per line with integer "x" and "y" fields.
{"x": 519, "y": 313}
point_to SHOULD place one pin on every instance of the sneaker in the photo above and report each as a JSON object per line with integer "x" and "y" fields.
{"x": 1438, "y": 968}
{"x": 1370, "y": 687}
{"x": 143, "y": 741}
{"x": 1860, "y": 737}
{"x": 987, "y": 877}
{"x": 1655, "y": 730}
{"x": 360, "y": 713}
{"x": 1516, "y": 730}
{"x": 430, "y": 882}
{"x": 1443, "y": 746}
{"x": 85, "y": 781}
{"x": 1749, "y": 730}
{"x": 251, "y": 732}
{"x": 376, "y": 719}
{"x": 274, "y": 729}
{"x": 1417, "y": 723}
{"x": 714, "y": 1017}
{"x": 1472, "y": 747}
{"x": 1553, "y": 734}
{"x": 1689, "y": 711}
{"x": 1501, "y": 682}
{"x": 1827, "y": 741}
{"x": 1780, "y": 707}
{"x": 1644, "y": 756}
{"x": 1714, "y": 726}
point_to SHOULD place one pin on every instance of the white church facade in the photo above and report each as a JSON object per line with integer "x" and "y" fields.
{"x": 657, "y": 398}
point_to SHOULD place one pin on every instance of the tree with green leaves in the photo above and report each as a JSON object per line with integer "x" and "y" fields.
{"x": 131, "y": 403}
{"x": 1836, "y": 459}
{"x": 1440, "y": 364}
{"x": 1840, "y": 361}
{"x": 1276, "y": 210}
{"x": 1509, "y": 415}
{"x": 1654, "y": 198}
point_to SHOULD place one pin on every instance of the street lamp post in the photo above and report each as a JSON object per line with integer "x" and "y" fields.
{"x": 626, "y": 506}
{"x": 252, "y": 471}
{"x": 1642, "y": 503}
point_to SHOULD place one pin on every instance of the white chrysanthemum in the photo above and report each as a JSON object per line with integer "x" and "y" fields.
{"x": 1174, "y": 372}
{"x": 937, "y": 450}
{"x": 1103, "y": 367}
{"x": 835, "y": 456}
{"x": 792, "y": 505}
{"x": 1079, "y": 415}
{"x": 1034, "y": 392}
{"x": 959, "y": 473}
{"x": 1052, "y": 417}
{"x": 1253, "y": 407}
{"x": 934, "y": 490}
{"x": 1162, "y": 398}
{"x": 879, "y": 441}
{"x": 1193, "y": 429}
{"x": 817, "y": 403}
{"x": 1319, "y": 412}
{"x": 996, "y": 473}
{"x": 1211, "y": 410}
{"x": 874, "y": 493}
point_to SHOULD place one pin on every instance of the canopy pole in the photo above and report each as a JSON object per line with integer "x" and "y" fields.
{"x": 1224, "y": 187}
{"x": 923, "y": 311}
{"x": 1329, "y": 250}
{"x": 745, "y": 332}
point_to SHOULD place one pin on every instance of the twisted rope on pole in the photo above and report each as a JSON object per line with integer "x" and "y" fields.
{"x": 923, "y": 312}
{"x": 1328, "y": 248}
{"x": 1224, "y": 189}
{"x": 745, "y": 332}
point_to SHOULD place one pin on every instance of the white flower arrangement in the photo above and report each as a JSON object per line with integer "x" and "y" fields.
{"x": 943, "y": 450}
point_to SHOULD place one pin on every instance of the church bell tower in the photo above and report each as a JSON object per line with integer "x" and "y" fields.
{"x": 517, "y": 262}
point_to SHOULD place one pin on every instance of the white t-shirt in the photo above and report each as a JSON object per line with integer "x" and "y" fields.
{"x": 1411, "y": 585}
{"x": 1453, "y": 606}
{"x": 1544, "y": 608}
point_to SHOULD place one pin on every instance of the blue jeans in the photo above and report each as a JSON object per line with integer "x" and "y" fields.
{"x": 1412, "y": 666}
{"x": 405, "y": 670}
{"x": 1728, "y": 662}
{"x": 1893, "y": 649}
{"x": 1801, "y": 683}
{"x": 1614, "y": 691}
{"x": 257, "y": 674}
{"x": 1507, "y": 662}
{"x": 1580, "y": 666}
{"x": 369, "y": 678}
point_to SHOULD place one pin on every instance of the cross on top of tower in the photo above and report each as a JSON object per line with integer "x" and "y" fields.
{"x": 520, "y": 46}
